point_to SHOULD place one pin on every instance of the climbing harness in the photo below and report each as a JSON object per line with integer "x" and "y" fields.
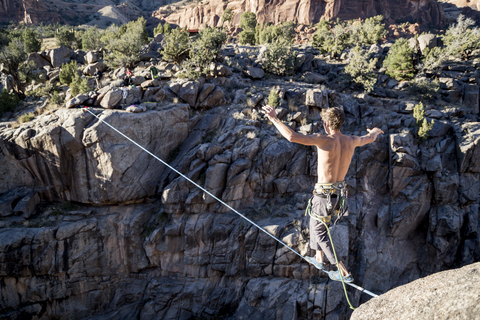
{"x": 326, "y": 190}
{"x": 226, "y": 205}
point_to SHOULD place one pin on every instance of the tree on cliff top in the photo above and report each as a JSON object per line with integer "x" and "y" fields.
{"x": 177, "y": 45}
{"x": 124, "y": 43}
{"x": 205, "y": 49}
{"x": 334, "y": 37}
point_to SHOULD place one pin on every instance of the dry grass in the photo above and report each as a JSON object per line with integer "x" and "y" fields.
{"x": 49, "y": 43}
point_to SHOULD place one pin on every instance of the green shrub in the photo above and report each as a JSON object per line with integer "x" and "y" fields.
{"x": 399, "y": 61}
{"x": 461, "y": 39}
{"x": 124, "y": 44}
{"x": 267, "y": 33}
{"x": 433, "y": 58}
{"x": 227, "y": 15}
{"x": 65, "y": 37}
{"x": 370, "y": 32}
{"x": 177, "y": 44}
{"x": 205, "y": 48}
{"x": 331, "y": 38}
{"x": 55, "y": 99}
{"x": 158, "y": 29}
{"x": 273, "y": 98}
{"x": 424, "y": 89}
{"x": 287, "y": 31}
{"x": 322, "y": 35}
{"x": 335, "y": 37}
{"x": 280, "y": 58}
{"x": 26, "y": 117}
{"x": 423, "y": 127}
{"x": 68, "y": 72}
{"x": 79, "y": 85}
{"x": 91, "y": 39}
{"x": 247, "y": 37}
{"x": 361, "y": 69}
{"x": 12, "y": 58}
{"x": 167, "y": 28}
{"x": 31, "y": 43}
{"x": 248, "y": 22}
{"x": 8, "y": 101}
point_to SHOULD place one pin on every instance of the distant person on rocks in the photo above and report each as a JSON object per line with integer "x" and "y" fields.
{"x": 98, "y": 78}
{"x": 335, "y": 151}
{"x": 127, "y": 81}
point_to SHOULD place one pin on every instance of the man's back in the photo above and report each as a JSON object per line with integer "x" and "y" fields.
{"x": 334, "y": 157}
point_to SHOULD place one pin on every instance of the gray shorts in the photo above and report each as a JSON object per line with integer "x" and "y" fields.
{"x": 319, "y": 239}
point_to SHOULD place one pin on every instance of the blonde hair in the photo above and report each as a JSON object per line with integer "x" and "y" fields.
{"x": 335, "y": 117}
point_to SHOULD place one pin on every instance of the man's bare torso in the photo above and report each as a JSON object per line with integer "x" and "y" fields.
{"x": 334, "y": 157}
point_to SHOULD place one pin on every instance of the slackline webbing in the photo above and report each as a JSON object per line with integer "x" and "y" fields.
{"x": 219, "y": 200}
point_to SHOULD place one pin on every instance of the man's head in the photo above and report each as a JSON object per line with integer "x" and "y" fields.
{"x": 334, "y": 117}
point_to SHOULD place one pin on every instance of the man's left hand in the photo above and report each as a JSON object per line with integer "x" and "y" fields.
{"x": 270, "y": 113}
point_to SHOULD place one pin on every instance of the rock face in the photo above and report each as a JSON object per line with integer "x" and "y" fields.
{"x": 62, "y": 151}
{"x": 413, "y": 205}
{"x": 452, "y": 294}
{"x": 306, "y": 12}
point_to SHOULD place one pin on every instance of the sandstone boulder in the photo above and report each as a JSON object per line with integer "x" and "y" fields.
{"x": 427, "y": 41}
{"x": 59, "y": 56}
{"x": 112, "y": 99}
{"x": 136, "y": 109}
{"x": 92, "y": 68}
{"x": 254, "y": 73}
{"x": 188, "y": 92}
{"x": 39, "y": 61}
{"x": 214, "y": 99}
{"x": 79, "y": 99}
{"x": 316, "y": 98}
{"x": 313, "y": 77}
{"x": 444, "y": 295}
{"x": 91, "y": 57}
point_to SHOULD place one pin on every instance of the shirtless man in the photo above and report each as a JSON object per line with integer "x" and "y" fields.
{"x": 335, "y": 151}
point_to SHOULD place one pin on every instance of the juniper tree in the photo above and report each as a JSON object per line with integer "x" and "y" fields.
{"x": 399, "y": 61}
{"x": 124, "y": 43}
{"x": 31, "y": 43}
{"x": 248, "y": 22}
{"x": 205, "y": 49}
{"x": 176, "y": 45}
{"x": 360, "y": 68}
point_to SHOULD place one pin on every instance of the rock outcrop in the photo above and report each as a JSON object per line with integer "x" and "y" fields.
{"x": 61, "y": 152}
{"x": 452, "y": 294}
{"x": 305, "y": 12}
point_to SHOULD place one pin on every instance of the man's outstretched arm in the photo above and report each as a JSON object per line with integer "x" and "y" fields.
{"x": 368, "y": 138}
{"x": 291, "y": 135}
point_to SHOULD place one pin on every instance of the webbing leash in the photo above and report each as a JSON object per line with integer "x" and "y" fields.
{"x": 219, "y": 200}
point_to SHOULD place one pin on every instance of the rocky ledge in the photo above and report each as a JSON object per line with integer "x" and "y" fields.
{"x": 452, "y": 294}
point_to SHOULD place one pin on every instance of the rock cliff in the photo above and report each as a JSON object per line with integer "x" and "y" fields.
{"x": 426, "y": 12}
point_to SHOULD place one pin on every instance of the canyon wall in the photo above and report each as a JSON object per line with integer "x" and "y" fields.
{"x": 425, "y": 12}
